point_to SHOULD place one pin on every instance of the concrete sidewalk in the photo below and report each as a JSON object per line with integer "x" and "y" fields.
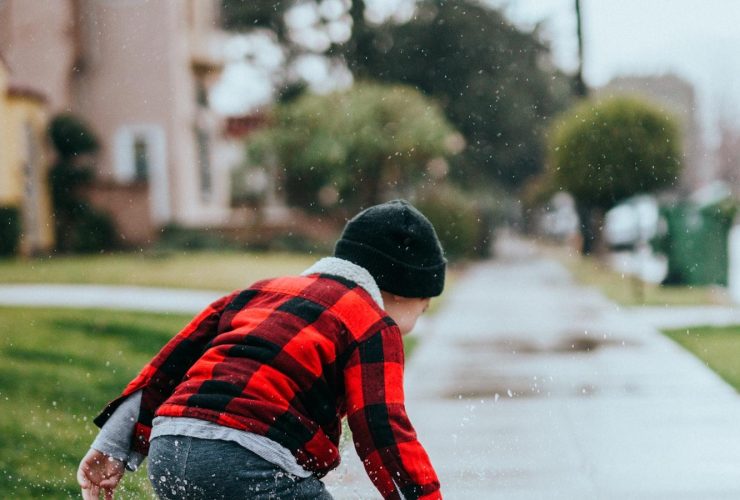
{"x": 133, "y": 298}
{"x": 529, "y": 386}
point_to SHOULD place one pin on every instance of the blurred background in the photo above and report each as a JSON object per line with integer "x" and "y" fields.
{"x": 136, "y": 125}
{"x": 133, "y": 124}
{"x": 207, "y": 143}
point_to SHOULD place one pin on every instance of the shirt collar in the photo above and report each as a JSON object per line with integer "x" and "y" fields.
{"x": 349, "y": 271}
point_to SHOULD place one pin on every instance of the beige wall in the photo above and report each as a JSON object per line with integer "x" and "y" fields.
{"x": 24, "y": 164}
{"x": 139, "y": 75}
{"x": 30, "y": 158}
{"x": 129, "y": 208}
{"x": 127, "y": 88}
{"x": 9, "y": 178}
{"x": 37, "y": 40}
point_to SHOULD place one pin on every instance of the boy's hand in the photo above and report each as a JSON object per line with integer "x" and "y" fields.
{"x": 99, "y": 471}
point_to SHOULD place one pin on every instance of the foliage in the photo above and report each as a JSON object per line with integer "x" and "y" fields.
{"x": 604, "y": 152}
{"x": 71, "y": 136}
{"x": 93, "y": 231}
{"x": 175, "y": 237}
{"x": 464, "y": 225}
{"x": 241, "y": 15}
{"x": 10, "y": 230}
{"x": 358, "y": 144}
{"x": 496, "y": 83}
{"x": 293, "y": 242}
{"x": 78, "y": 226}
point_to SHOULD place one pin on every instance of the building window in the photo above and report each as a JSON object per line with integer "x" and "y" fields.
{"x": 201, "y": 94}
{"x": 141, "y": 159}
{"x": 140, "y": 153}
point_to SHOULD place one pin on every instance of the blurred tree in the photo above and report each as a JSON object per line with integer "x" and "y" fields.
{"x": 607, "y": 151}
{"x": 352, "y": 148}
{"x": 78, "y": 227}
{"x": 244, "y": 15}
{"x": 464, "y": 222}
{"x": 71, "y": 137}
{"x": 497, "y": 84}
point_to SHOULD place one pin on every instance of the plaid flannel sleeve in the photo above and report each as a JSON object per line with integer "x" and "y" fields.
{"x": 383, "y": 436}
{"x": 158, "y": 379}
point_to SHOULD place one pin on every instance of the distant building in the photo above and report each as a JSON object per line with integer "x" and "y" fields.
{"x": 137, "y": 71}
{"x": 676, "y": 96}
{"x": 24, "y": 163}
{"x": 728, "y": 157}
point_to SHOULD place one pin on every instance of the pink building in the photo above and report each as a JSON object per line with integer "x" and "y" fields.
{"x": 137, "y": 71}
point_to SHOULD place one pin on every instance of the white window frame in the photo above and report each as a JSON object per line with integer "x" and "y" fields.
{"x": 124, "y": 170}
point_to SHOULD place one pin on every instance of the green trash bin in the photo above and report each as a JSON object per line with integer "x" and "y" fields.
{"x": 695, "y": 242}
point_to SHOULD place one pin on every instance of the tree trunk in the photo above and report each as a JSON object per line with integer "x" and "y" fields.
{"x": 591, "y": 224}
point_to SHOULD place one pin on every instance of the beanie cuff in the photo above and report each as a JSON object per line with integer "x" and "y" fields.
{"x": 392, "y": 275}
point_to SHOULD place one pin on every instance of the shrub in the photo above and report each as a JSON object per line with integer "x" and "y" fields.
{"x": 93, "y": 231}
{"x": 175, "y": 237}
{"x": 299, "y": 243}
{"x": 71, "y": 136}
{"x": 78, "y": 226}
{"x": 356, "y": 143}
{"x": 464, "y": 225}
{"x": 10, "y": 230}
{"x": 604, "y": 152}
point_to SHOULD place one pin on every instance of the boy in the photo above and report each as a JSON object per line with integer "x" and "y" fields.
{"x": 247, "y": 400}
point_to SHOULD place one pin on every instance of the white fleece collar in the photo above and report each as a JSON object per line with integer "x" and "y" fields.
{"x": 349, "y": 271}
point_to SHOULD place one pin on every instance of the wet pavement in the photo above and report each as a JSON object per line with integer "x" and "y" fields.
{"x": 529, "y": 386}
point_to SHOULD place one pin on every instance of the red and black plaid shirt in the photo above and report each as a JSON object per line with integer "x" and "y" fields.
{"x": 287, "y": 359}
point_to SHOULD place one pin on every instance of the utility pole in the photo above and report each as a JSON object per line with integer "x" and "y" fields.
{"x": 580, "y": 86}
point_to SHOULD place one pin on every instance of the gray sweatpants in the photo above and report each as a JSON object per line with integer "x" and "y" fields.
{"x": 183, "y": 467}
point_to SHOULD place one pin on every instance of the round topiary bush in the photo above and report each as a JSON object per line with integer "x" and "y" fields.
{"x": 603, "y": 152}
{"x": 71, "y": 136}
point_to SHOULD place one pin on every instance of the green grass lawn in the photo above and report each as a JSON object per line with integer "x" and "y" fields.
{"x": 207, "y": 270}
{"x": 629, "y": 291}
{"x": 58, "y": 368}
{"x": 718, "y": 347}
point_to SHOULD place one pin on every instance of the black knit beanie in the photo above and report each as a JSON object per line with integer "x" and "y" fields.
{"x": 398, "y": 246}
